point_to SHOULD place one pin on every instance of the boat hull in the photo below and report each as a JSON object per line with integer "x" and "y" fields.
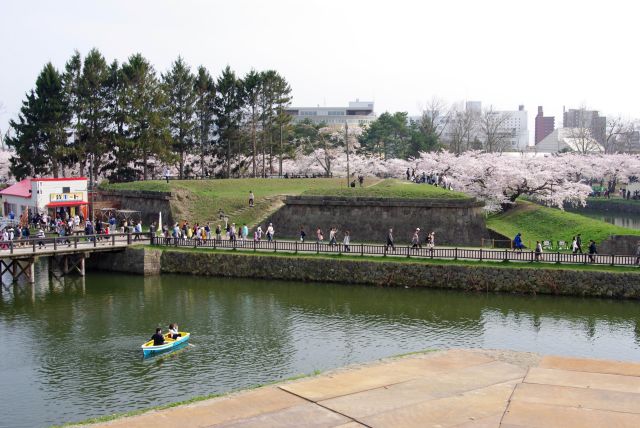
{"x": 169, "y": 345}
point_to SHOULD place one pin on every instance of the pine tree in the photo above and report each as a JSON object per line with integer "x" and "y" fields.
{"x": 180, "y": 98}
{"x": 282, "y": 99}
{"x": 41, "y": 139}
{"x": 228, "y": 105}
{"x": 146, "y": 123}
{"x": 205, "y": 93}
{"x": 252, "y": 84}
{"x": 71, "y": 88}
{"x": 95, "y": 126}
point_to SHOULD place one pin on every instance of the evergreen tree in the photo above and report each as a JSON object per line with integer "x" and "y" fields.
{"x": 282, "y": 99}
{"x": 71, "y": 87}
{"x": 267, "y": 102}
{"x": 388, "y": 135}
{"x": 252, "y": 84}
{"x": 228, "y": 110}
{"x": 180, "y": 99}
{"x": 41, "y": 140}
{"x": 146, "y": 123}
{"x": 95, "y": 125}
{"x": 121, "y": 151}
{"x": 205, "y": 93}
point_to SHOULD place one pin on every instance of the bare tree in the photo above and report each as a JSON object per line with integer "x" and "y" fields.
{"x": 435, "y": 117}
{"x": 615, "y": 126}
{"x": 494, "y": 132}
{"x": 581, "y": 134}
{"x": 462, "y": 128}
{"x": 627, "y": 139}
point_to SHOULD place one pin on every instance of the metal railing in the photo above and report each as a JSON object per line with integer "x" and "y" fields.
{"x": 443, "y": 253}
{"x": 56, "y": 243}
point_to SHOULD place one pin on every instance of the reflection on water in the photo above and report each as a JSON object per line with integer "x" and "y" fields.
{"x": 74, "y": 343}
{"x": 631, "y": 221}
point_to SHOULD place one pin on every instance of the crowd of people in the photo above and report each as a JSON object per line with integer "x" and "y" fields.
{"x": 576, "y": 247}
{"x": 63, "y": 226}
{"x": 424, "y": 178}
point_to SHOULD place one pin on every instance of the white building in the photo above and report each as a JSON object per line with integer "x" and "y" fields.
{"x": 568, "y": 140}
{"x": 46, "y": 195}
{"x": 356, "y": 114}
{"x": 514, "y": 126}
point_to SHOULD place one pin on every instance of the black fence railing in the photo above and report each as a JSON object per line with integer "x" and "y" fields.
{"x": 36, "y": 245}
{"x": 444, "y": 253}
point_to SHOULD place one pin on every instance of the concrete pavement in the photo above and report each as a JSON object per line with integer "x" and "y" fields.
{"x": 453, "y": 388}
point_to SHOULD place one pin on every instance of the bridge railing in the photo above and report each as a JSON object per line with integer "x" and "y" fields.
{"x": 444, "y": 253}
{"x": 36, "y": 245}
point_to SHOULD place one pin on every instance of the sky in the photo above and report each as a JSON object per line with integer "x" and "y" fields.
{"x": 400, "y": 53}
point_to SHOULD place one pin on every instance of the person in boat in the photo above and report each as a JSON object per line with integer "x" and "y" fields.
{"x": 158, "y": 338}
{"x": 173, "y": 331}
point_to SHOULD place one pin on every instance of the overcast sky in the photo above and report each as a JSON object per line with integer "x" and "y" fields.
{"x": 397, "y": 53}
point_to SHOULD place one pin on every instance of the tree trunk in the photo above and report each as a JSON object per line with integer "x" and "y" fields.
{"x": 280, "y": 154}
{"x": 228, "y": 157}
{"x": 255, "y": 144}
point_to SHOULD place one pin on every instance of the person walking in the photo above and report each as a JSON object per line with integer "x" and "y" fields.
{"x": 319, "y": 237}
{"x": 251, "y": 198}
{"x": 579, "y": 243}
{"x": 245, "y": 232}
{"x": 538, "y": 251}
{"x": 390, "y": 239}
{"x": 218, "y": 232}
{"x": 431, "y": 240}
{"x": 415, "y": 240}
{"x": 638, "y": 253}
{"x": 517, "y": 242}
{"x": 574, "y": 245}
{"x": 302, "y": 234}
{"x": 332, "y": 236}
{"x": 40, "y": 235}
{"x": 270, "y": 232}
{"x": 347, "y": 241}
{"x": 207, "y": 230}
{"x": 592, "y": 251}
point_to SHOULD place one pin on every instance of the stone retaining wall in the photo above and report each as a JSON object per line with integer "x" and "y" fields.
{"x": 148, "y": 203}
{"x": 390, "y": 273}
{"x": 454, "y": 221}
{"x": 136, "y": 260}
{"x": 619, "y": 244}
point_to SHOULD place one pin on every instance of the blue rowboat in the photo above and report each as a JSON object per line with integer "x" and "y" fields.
{"x": 169, "y": 344}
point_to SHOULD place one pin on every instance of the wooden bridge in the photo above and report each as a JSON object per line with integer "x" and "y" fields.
{"x": 66, "y": 254}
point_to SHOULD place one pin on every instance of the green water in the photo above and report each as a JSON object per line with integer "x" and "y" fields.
{"x": 70, "y": 348}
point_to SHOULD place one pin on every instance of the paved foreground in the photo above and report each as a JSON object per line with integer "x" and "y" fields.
{"x": 454, "y": 388}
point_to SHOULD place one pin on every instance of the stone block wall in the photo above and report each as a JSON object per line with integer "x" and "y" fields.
{"x": 148, "y": 203}
{"x": 136, "y": 260}
{"x": 619, "y": 245}
{"x": 454, "y": 221}
{"x": 526, "y": 280}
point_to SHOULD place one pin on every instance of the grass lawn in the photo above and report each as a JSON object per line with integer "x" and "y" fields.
{"x": 200, "y": 200}
{"x": 538, "y": 223}
{"x": 390, "y": 188}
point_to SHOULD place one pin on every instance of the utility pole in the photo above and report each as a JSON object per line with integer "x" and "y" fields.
{"x": 346, "y": 142}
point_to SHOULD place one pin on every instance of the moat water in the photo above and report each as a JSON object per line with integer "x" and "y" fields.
{"x": 71, "y": 347}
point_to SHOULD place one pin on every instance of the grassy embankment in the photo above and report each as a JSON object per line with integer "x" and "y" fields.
{"x": 390, "y": 188}
{"x": 200, "y": 200}
{"x": 538, "y": 223}
{"x": 399, "y": 258}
